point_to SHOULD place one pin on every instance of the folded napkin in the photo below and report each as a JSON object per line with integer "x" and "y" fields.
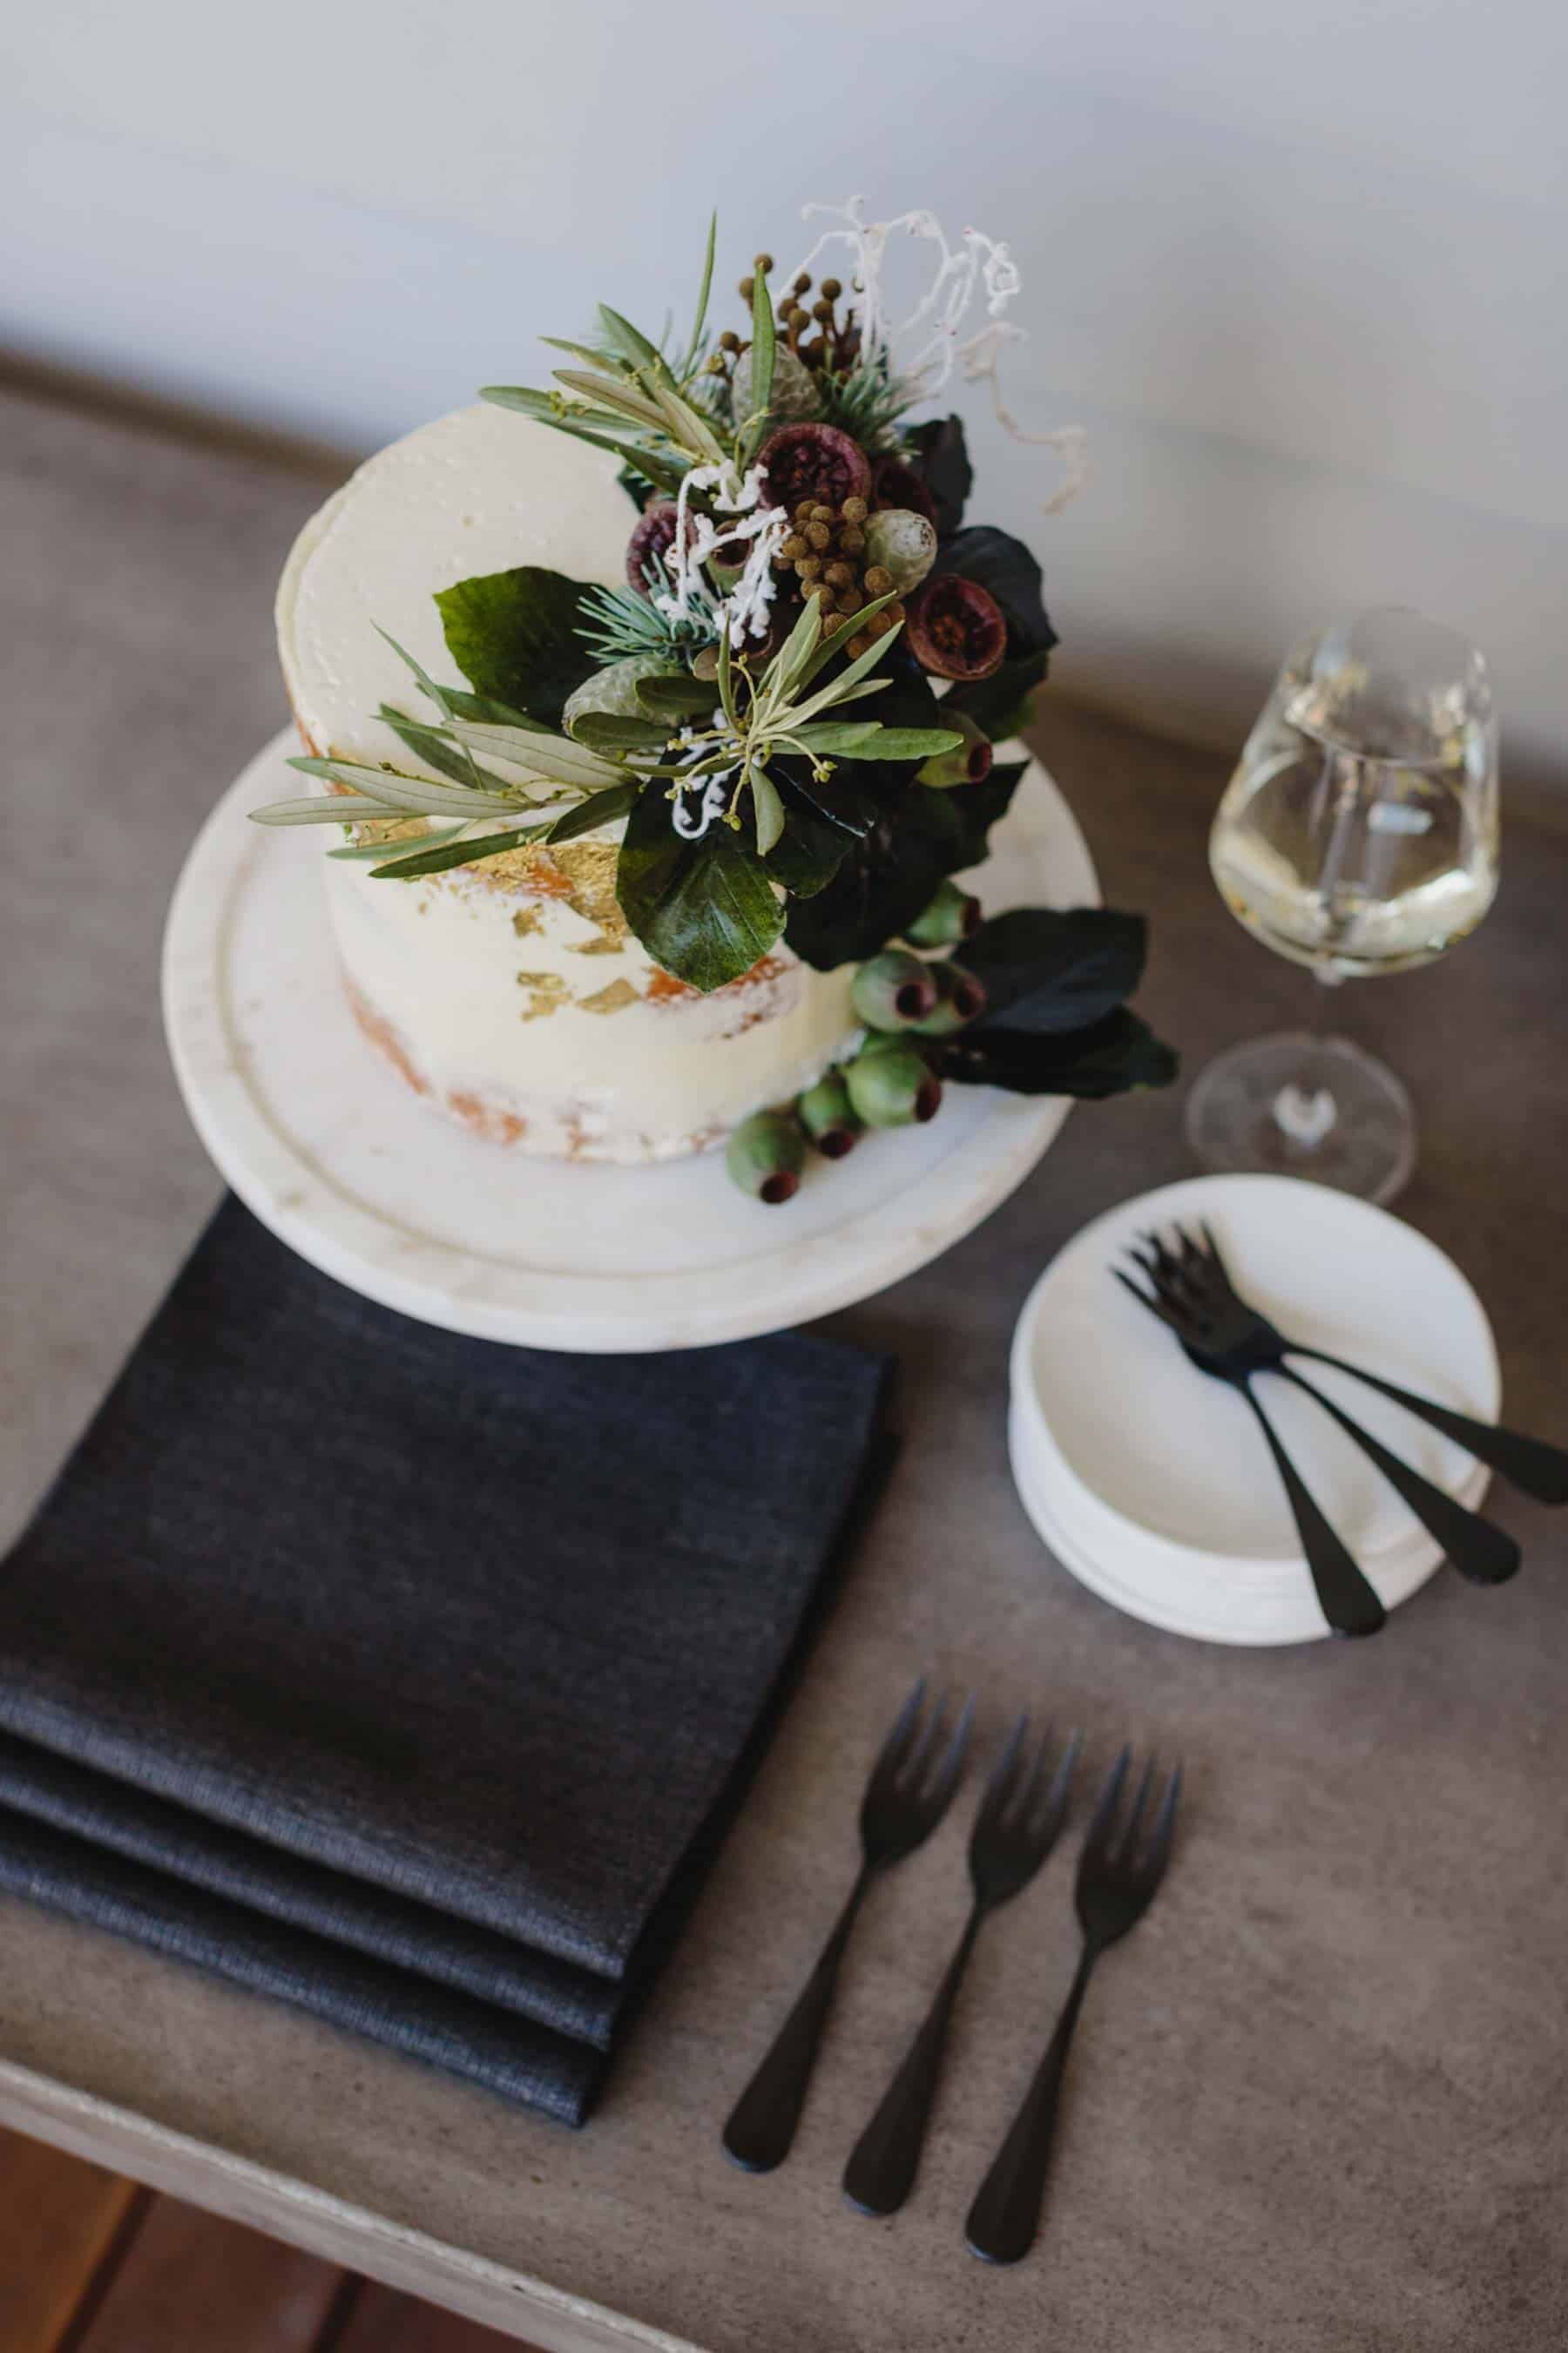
{"x": 409, "y": 1677}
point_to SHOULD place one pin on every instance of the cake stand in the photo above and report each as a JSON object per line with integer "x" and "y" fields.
{"x": 326, "y": 1147}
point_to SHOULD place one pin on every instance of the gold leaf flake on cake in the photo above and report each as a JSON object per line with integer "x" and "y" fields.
{"x": 590, "y": 870}
{"x": 547, "y": 994}
{"x": 613, "y": 999}
{"x": 526, "y": 920}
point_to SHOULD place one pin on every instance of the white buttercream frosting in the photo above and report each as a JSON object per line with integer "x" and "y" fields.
{"x": 515, "y": 997}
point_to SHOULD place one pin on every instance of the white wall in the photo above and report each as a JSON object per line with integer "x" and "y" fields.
{"x": 1297, "y": 264}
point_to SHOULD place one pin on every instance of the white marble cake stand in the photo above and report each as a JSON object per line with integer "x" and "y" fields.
{"x": 328, "y": 1147}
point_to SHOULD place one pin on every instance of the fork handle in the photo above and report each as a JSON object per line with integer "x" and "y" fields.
{"x": 762, "y": 2122}
{"x": 885, "y": 2159}
{"x": 1528, "y": 1464}
{"x": 1345, "y": 1598}
{"x": 1484, "y": 1554}
{"x": 1005, "y": 2216}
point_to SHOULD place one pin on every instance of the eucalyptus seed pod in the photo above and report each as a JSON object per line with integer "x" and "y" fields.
{"x": 828, "y": 1117}
{"x": 894, "y": 1087}
{"x": 893, "y": 990}
{"x": 794, "y": 397}
{"x": 968, "y": 763}
{"x": 951, "y": 915}
{"x": 765, "y": 1155}
{"x": 614, "y": 691}
{"x": 961, "y": 999}
{"x": 903, "y": 542}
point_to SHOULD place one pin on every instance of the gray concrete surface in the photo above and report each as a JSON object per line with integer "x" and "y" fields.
{"x": 1321, "y": 2100}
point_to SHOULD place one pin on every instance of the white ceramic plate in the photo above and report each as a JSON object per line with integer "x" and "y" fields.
{"x": 1179, "y": 1458}
{"x": 326, "y": 1147}
{"x": 1214, "y": 1608}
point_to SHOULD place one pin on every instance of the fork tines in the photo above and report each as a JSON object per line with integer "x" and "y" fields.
{"x": 1114, "y": 1843}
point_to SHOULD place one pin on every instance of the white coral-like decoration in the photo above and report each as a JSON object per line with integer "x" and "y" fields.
{"x": 925, "y": 348}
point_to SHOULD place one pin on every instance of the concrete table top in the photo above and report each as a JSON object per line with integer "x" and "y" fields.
{"x": 1321, "y": 2100}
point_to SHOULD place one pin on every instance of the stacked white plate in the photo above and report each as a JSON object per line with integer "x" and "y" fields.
{"x": 1153, "y": 1484}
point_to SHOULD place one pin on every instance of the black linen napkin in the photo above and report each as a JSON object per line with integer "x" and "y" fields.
{"x": 409, "y": 1676}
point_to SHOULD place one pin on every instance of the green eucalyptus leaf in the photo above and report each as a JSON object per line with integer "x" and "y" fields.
{"x": 837, "y": 689}
{"x": 595, "y": 358}
{"x": 828, "y": 648}
{"x": 1112, "y": 1055}
{"x": 765, "y": 340}
{"x": 622, "y": 399}
{"x": 367, "y": 852}
{"x": 687, "y": 428}
{"x": 599, "y": 808}
{"x": 554, "y": 758}
{"x": 321, "y": 808}
{"x": 868, "y": 739}
{"x": 633, "y": 345}
{"x": 838, "y": 736}
{"x": 658, "y": 467}
{"x": 768, "y": 809}
{"x": 454, "y": 853}
{"x": 513, "y": 635}
{"x": 415, "y": 795}
{"x": 789, "y": 666}
{"x": 700, "y": 320}
{"x": 607, "y": 731}
{"x": 435, "y": 744}
{"x": 671, "y": 697}
{"x": 706, "y": 911}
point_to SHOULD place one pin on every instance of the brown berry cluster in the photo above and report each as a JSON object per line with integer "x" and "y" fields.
{"x": 816, "y": 335}
{"x": 826, "y": 550}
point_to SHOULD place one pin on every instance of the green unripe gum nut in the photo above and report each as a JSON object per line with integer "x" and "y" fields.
{"x": 903, "y": 542}
{"x": 968, "y": 763}
{"x": 894, "y": 1087}
{"x": 893, "y": 990}
{"x": 828, "y": 1117}
{"x": 960, "y": 1000}
{"x": 765, "y": 1155}
{"x": 951, "y": 915}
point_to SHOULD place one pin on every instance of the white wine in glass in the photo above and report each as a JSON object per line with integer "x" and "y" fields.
{"x": 1358, "y": 836}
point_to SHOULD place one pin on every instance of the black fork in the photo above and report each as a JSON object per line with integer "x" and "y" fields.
{"x": 1529, "y": 1464}
{"x": 1018, "y": 1824}
{"x": 1117, "y": 1873}
{"x": 911, "y": 1788}
{"x": 1194, "y": 1294}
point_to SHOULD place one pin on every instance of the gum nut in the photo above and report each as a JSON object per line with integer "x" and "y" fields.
{"x": 812, "y": 461}
{"x": 961, "y": 999}
{"x": 968, "y": 763}
{"x": 894, "y": 1088}
{"x": 765, "y": 1155}
{"x": 949, "y": 917}
{"x": 651, "y": 542}
{"x": 893, "y": 990}
{"x": 956, "y": 628}
{"x": 903, "y": 542}
{"x": 614, "y": 690}
{"x": 795, "y": 395}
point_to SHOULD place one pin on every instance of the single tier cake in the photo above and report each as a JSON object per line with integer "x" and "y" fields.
{"x": 511, "y": 992}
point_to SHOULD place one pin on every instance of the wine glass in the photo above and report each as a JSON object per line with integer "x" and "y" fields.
{"x": 1358, "y": 836}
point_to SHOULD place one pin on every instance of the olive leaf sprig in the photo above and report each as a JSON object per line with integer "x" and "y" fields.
{"x": 626, "y": 397}
{"x": 601, "y": 768}
{"x": 593, "y": 789}
{"x": 760, "y": 718}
